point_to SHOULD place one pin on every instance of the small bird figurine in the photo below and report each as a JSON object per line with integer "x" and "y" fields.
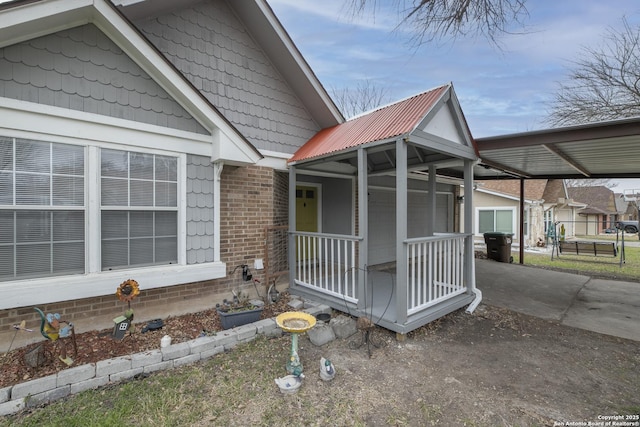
{"x": 327, "y": 370}
{"x": 290, "y": 383}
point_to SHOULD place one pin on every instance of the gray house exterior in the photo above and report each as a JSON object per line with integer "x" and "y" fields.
{"x": 144, "y": 140}
{"x": 161, "y": 141}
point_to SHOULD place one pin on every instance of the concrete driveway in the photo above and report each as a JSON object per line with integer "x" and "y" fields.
{"x": 606, "y": 306}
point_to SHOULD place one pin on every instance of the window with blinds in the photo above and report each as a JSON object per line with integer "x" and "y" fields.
{"x": 42, "y": 209}
{"x": 139, "y": 209}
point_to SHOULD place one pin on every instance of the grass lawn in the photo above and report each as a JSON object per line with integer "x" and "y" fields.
{"x": 601, "y": 266}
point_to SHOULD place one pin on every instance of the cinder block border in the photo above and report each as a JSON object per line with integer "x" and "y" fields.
{"x": 92, "y": 376}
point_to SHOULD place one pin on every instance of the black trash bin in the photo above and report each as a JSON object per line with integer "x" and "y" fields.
{"x": 499, "y": 246}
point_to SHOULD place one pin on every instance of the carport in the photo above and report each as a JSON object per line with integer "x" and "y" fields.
{"x": 608, "y": 150}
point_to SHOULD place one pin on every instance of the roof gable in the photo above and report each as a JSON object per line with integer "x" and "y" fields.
{"x": 431, "y": 114}
{"x": 599, "y": 199}
{"x": 20, "y": 21}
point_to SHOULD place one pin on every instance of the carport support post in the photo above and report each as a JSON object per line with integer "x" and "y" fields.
{"x": 363, "y": 226}
{"x": 401, "y": 231}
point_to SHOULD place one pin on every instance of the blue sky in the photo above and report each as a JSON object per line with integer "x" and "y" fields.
{"x": 501, "y": 90}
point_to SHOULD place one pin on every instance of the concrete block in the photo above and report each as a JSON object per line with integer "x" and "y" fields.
{"x": 90, "y": 384}
{"x": 76, "y": 374}
{"x": 267, "y": 327}
{"x": 210, "y": 353}
{"x": 112, "y": 366}
{"x": 321, "y": 334}
{"x": 125, "y": 375}
{"x": 5, "y": 394}
{"x": 168, "y": 364}
{"x": 223, "y": 338}
{"x": 48, "y": 396}
{"x": 176, "y": 351}
{"x": 33, "y": 387}
{"x": 246, "y": 332}
{"x": 343, "y": 326}
{"x": 203, "y": 344}
{"x": 296, "y": 304}
{"x": 186, "y": 360}
{"x": 11, "y": 407}
{"x": 140, "y": 360}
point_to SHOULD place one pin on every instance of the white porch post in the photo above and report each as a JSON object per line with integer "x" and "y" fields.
{"x": 469, "y": 255}
{"x": 401, "y": 231}
{"x": 292, "y": 226}
{"x": 431, "y": 209}
{"x": 217, "y": 172}
{"x": 363, "y": 224}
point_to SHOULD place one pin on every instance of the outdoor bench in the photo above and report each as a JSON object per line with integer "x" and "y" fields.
{"x": 589, "y": 248}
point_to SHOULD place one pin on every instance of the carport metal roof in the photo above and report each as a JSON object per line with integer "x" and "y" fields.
{"x": 598, "y": 150}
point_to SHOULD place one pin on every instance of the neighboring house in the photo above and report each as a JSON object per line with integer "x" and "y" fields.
{"x": 600, "y": 212}
{"x": 146, "y": 140}
{"x": 627, "y": 206}
{"x": 497, "y": 208}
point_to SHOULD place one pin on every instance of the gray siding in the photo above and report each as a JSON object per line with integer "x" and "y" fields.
{"x": 200, "y": 177}
{"x": 82, "y": 69}
{"x": 212, "y": 48}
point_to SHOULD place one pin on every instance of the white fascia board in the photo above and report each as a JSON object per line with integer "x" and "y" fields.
{"x": 235, "y": 148}
{"x": 25, "y": 293}
{"x": 54, "y": 122}
{"x": 274, "y": 160}
{"x": 37, "y": 19}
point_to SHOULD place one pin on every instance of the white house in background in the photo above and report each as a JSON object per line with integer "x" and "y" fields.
{"x": 497, "y": 208}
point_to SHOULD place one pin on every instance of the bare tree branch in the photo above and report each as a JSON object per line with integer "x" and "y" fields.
{"x": 432, "y": 20}
{"x": 604, "y": 84}
{"x": 364, "y": 97}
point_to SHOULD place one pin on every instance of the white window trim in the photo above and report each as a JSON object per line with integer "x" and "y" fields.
{"x": 493, "y": 208}
{"x": 95, "y": 132}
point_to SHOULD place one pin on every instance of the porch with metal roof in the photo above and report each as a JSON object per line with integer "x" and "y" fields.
{"x": 430, "y": 274}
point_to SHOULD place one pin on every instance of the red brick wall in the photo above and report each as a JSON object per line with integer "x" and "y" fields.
{"x": 247, "y": 205}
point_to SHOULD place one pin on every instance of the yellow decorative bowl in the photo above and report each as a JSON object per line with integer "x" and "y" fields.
{"x": 295, "y": 321}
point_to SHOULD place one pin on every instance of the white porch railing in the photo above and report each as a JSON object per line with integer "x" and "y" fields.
{"x": 327, "y": 263}
{"x": 435, "y": 270}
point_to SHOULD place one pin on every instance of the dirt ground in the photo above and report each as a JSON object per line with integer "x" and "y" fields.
{"x": 494, "y": 367}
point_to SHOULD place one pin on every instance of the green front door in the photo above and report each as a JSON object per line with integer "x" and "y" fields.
{"x": 306, "y": 215}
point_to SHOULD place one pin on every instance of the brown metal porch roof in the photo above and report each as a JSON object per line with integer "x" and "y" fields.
{"x": 382, "y": 124}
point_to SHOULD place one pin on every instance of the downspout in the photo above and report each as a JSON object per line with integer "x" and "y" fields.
{"x": 468, "y": 229}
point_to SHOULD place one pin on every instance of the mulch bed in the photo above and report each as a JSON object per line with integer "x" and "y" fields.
{"x": 94, "y": 346}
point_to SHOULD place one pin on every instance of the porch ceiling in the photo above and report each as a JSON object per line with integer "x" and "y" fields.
{"x": 598, "y": 150}
{"x": 381, "y": 160}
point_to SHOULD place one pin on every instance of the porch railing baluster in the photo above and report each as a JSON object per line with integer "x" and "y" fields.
{"x": 435, "y": 270}
{"x": 324, "y": 263}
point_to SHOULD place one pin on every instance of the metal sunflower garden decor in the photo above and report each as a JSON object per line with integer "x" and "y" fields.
{"x": 126, "y": 292}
